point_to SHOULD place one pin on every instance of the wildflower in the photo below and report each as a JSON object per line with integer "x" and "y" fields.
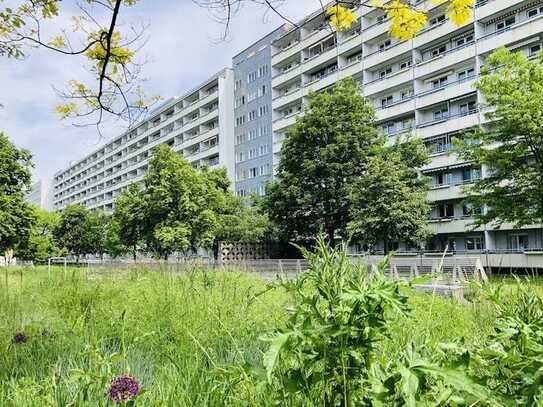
{"x": 19, "y": 338}
{"x": 123, "y": 388}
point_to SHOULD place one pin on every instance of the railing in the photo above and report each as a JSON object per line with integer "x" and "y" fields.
{"x": 447, "y": 118}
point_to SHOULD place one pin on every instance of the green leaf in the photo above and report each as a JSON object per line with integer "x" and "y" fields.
{"x": 271, "y": 357}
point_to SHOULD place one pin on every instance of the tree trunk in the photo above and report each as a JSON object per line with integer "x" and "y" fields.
{"x": 134, "y": 253}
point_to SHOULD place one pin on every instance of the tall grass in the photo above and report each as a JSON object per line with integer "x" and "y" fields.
{"x": 191, "y": 339}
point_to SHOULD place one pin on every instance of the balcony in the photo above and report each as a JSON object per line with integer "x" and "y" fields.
{"x": 288, "y": 98}
{"x": 515, "y": 33}
{"x": 450, "y": 91}
{"x": 450, "y": 225}
{"x": 352, "y": 69}
{"x": 444, "y": 192}
{"x": 285, "y": 121}
{"x": 287, "y": 75}
{"x": 375, "y": 30}
{"x": 390, "y": 81}
{"x": 448, "y": 125}
{"x": 323, "y": 81}
{"x": 379, "y": 57}
{"x": 487, "y": 8}
{"x": 349, "y": 43}
{"x": 435, "y": 32}
{"x": 448, "y": 58}
{"x": 395, "y": 109}
{"x": 326, "y": 56}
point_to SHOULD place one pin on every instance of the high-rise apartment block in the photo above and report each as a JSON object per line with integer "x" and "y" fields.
{"x": 198, "y": 125}
{"x": 423, "y": 87}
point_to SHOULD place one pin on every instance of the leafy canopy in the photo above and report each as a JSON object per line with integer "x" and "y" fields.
{"x": 16, "y": 216}
{"x": 510, "y": 147}
{"x": 327, "y": 149}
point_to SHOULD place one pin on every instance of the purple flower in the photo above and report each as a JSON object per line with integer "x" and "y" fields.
{"x": 19, "y": 338}
{"x": 123, "y": 388}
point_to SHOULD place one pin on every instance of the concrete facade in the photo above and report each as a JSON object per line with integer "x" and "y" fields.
{"x": 252, "y": 112}
{"x": 198, "y": 125}
{"x": 41, "y": 194}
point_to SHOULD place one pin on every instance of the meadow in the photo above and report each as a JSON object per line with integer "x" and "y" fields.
{"x": 196, "y": 338}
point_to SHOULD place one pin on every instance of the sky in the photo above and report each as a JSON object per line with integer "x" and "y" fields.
{"x": 184, "y": 48}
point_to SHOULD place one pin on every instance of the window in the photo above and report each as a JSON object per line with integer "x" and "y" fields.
{"x": 468, "y": 108}
{"x": 389, "y": 128}
{"x": 504, "y": 24}
{"x": 442, "y": 178}
{"x": 535, "y": 49}
{"x": 354, "y": 58}
{"x": 263, "y": 149}
{"x": 240, "y": 120}
{"x": 386, "y": 101}
{"x": 464, "y": 40}
{"x": 519, "y": 242}
{"x": 262, "y": 71}
{"x": 252, "y": 115}
{"x": 436, "y": 20}
{"x": 471, "y": 174}
{"x": 253, "y": 172}
{"x": 262, "y": 110}
{"x": 262, "y": 91}
{"x": 384, "y": 45}
{"x": 439, "y": 83}
{"x": 238, "y": 84}
{"x": 253, "y": 134}
{"x": 406, "y": 94}
{"x": 466, "y": 74}
{"x": 534, "y": 12}
{"x": 383, "y": 74}
{"x": 446, "y": 210}
{"x": 441, "y": 114}
{"x": 239, "y": 157}
{"x": 438, "y": 50}
{"x": 240, "y": 101}
{"x": 468, "y": 210}
{"x": 251, "y": 77}
{"x": 474, "y": 243}
{"x": 406, "y": 64}
{"x": 240, "y": 138}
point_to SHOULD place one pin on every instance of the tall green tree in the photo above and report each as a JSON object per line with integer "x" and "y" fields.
{"x": 511, "y": 145}
{"x": 96, "y": 229}
{"x": 178, "y": 205}
{"x": 326, "y": 151}
{"x": 16, "y": 216}
{"x": 71, "y": 231}
{"x": 389, "y": 202}
{"x": 128, "y": 223}
{"x": 40, "y": 244}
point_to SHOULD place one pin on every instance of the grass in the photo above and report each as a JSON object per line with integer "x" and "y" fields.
{"x": 190, "y": 339}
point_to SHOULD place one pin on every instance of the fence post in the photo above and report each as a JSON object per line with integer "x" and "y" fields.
{"x": 281, "y": 267}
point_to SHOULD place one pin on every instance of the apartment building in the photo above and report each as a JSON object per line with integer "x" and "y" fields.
{"x": 41, "y": 194}
{"x": 252, "y": 112}
{"x": 422, "y": 87}
{"x": 199, "y": 125}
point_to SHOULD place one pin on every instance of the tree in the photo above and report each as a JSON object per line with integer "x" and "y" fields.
{"x": 325, "y": 152}
{"x": 16, "y": 216}
{"x": 96, "y": 230}
{"x": 510, "y": 147}
{"x": 236, "y": 220}
{"x": 128, "y": 222}
{"x": 40, "y": 244}
{"x": 71, "y": 232}
{"x": 389, "y": 202}
{"x": 177, "y": 205}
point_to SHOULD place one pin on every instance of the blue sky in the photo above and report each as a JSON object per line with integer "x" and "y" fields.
{"x": 183, "y": 50}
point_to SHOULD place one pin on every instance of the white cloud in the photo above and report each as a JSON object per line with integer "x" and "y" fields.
{"x": 183, "y": 50}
